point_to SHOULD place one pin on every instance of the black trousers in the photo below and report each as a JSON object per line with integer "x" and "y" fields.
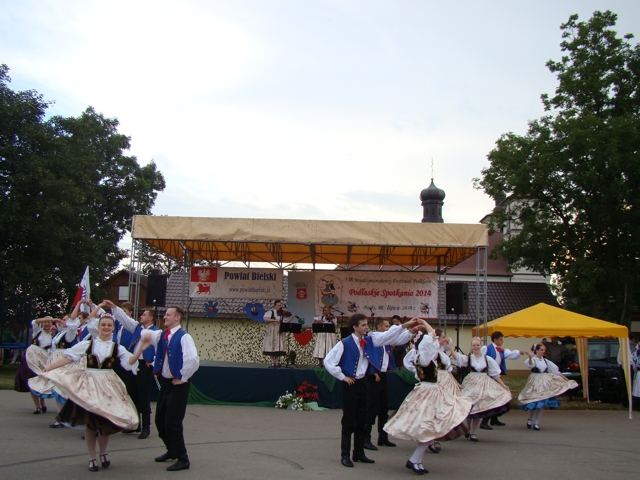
{"x": 378, "y": 402}
{"x": 354, "y": 413}
{"x": 139, "y": 387}
{"x": 170, "y": 412}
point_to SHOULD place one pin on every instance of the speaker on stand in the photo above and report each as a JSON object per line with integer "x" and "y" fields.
{"x": 457, "y": 303}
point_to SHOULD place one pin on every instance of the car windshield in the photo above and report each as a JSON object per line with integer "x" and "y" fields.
{"x": 597, "y": 351}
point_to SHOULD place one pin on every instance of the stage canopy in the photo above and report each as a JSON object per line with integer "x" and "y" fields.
{"x": 543, "y": 320}
{"x": 408, "y": 246}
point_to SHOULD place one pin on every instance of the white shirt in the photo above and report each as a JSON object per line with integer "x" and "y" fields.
{"x": 508, "y": 354}
{"x": 101, "y": 349}
{"x": 541, "y": 364}
{"x": 44, "y": 339}
{"x": 426, "y": 353}
{"x": 130, "y": 324}
{"x": 190, "y": 359}
{"x": 396, "y": 335}
{"x": 478, "y": 363}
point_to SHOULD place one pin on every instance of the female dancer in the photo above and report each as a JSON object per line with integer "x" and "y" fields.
{"x": 87, "y": 390}
{"x": 543, "y": 385}
{"x": 35, "y": 358}
{"x": 275, "y": 343}
{"x": 324, "y": 341}
{"x": 429, "y": 412}
{"x": 490, "y": 396}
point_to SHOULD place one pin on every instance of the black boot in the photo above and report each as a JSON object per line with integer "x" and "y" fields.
{"x": 358, "y": 449}
{"x": 345, "y": 446}
{"x": 383, "y": 439}
{"x": 146, "y": 426}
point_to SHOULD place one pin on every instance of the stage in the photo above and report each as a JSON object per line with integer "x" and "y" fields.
{"x": 256, "y": 384}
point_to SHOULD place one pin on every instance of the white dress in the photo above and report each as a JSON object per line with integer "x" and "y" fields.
{"x": 488, "y": 396}
{"x": 429, "y": 412}
{"x": 324, "y": 341}
{"x": 97, "y": 390}
{"x": 543, "y": 385}
{"x": 275, "y": 343}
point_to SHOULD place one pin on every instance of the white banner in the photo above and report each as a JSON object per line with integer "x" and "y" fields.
{"x": 249, "y": 283}
{"x": 378, "y": 294}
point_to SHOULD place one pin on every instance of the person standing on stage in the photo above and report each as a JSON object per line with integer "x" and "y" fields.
{"x": 500, "y": 355}
{"x": 275, "y": 343}
{"x": 175, "y": 363}
{"x": 378, "y": 392}
{"x": 324, "y": 341}
{"x": 139, "y": 386}
{"x": 349, "y": 361}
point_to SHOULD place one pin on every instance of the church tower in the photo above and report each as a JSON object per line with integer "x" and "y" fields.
{"x": 432, "y": 199}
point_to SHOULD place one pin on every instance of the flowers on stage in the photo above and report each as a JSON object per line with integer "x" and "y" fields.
{"x": 304, "y": 398}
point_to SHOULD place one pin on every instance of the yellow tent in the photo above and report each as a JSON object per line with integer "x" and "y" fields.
{"x": 543, "y": 320}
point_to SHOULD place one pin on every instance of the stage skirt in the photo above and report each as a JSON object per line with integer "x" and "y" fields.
{"x": 541, "y": 387}
{"x": 324, "y": 343}
{"x": 429, "y": 413}
{"x": 488, "y": 396}
{"x": 449, "y": 383}
{"x": 33, "y": 361}
{"x": 96, "y": 398}
{"x": 43, "y": 388}
{"x": 275, "y": 343}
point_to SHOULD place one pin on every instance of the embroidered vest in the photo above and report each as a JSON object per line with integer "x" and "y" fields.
{"x": 108, "y": 363}
{"x": 148, "y": 352}
{"x": 62, "y": 341}
{"x": 427, "y": 374}
{"x": 472, "y": 369}
{"x": 174, "y": 353}
{"x": 537, "y": 370}
{"x": 351, "y": 356}
{"x": 491, "y": 351}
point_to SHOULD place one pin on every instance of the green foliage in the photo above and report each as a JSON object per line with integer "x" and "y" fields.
{"x": 68, "y": 195}
{"x": 573, "y": 179}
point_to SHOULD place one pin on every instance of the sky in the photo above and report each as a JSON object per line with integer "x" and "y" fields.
{"x": 321, "y": 110}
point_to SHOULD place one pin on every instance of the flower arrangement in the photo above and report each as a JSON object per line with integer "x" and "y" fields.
{"x": 301, "y": 399}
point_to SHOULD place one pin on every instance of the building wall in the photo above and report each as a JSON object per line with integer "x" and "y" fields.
{"x": 239, "y": 340}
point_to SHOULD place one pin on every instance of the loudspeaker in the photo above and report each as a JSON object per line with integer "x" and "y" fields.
{"x": 156, "y": 291}
{"x": 457, "y": 299}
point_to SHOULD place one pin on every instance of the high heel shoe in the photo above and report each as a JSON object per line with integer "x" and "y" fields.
{"x": 93, "y": 465}
{"x": 105, "y": 461}
{"x": 529, "y": 423}
{"x": 416, "y": 468}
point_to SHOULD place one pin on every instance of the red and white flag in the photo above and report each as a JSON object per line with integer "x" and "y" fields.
{"x": 84, "y": 290}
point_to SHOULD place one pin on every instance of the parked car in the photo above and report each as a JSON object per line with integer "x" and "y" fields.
{"x": 606, "y": 377}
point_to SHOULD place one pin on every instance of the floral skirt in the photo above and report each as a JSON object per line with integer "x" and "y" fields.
{"x": 275, "y": 343}
{"x": 45, "y": 388}
{"x": 93, "y": 393}
{"x": 488, "y": 396}
{"x": 33, "y": 362}
{"x": 449, "y": 383}
{"x": 429, "y": 413}
{"x": 544, "y": 386}
{"x": 324, "y": 343}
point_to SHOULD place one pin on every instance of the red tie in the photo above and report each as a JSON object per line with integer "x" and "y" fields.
{"x": 166, "y": 334}
{"x": 362, "y": 343}
{"x": 500, "y": 349}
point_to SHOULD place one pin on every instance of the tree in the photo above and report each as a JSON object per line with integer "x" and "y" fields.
{"x": 573, "y": 179}
{"x": 68, "y": 193}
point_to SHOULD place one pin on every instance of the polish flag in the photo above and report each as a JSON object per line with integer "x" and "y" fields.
{"x": 84, "y": 290}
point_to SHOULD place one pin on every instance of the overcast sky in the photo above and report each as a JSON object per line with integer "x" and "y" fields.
{"x": 301, "y": 109}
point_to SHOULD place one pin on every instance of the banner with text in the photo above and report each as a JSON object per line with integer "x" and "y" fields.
{"x": 250, "y": 283}
{"x": 378, "y": 294}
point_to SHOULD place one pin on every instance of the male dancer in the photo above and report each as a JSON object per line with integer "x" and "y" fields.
{"x": 348, "y": 361}
{"x": 500, "y": 355}
{"x": 378, "y": 392}
{"x": 138, "y": 386}
{"x": 175, "y": 363}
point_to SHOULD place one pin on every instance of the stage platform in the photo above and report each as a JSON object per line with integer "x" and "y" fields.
{"x": 231, "y": 383}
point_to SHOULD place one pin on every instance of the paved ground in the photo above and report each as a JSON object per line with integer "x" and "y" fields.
{"x": 250, "y": 442}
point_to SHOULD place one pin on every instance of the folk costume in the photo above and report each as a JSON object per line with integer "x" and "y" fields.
{"x": 275, "y": 343}
{"x": 351, "y": 358}
{"x": 429, "y": 412}
{"x": 176, "y": 358}
{"x": 324, "y": 341}
{"x": 543, "y": 386}
{"x": 139, "y": 386}
{"x": 378, "y": 396}
{"x": 35, "y": 358}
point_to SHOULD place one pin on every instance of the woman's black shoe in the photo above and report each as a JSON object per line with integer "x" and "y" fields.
{"x": 433, "y": 448}
{"x": 416, "y": 468}
{"x": 93, "y": 466}
{"x": 472, "y": 437}
{"x": 105, "y": 461}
